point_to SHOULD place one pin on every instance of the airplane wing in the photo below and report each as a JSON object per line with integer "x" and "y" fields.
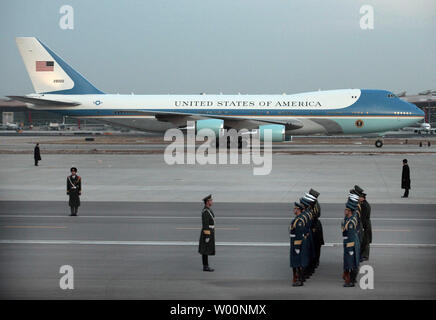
{"x": 230, "y": 121}
{"x": 44, "y": 102}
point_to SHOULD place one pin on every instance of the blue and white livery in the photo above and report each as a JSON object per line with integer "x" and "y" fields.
{"x": 59, "y": 88}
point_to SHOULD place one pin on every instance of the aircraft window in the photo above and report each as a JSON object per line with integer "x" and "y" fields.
{"x": 391, "y": 95}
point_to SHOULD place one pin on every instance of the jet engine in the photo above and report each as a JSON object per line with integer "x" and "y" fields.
{"x": 216, "y": 125}
{"x": 278, "y": 133}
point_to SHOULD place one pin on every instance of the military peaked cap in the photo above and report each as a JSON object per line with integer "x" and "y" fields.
{"x": 207, "y": 198}
{"x": 314, "y": 193}
{"x": 298, "y": 205}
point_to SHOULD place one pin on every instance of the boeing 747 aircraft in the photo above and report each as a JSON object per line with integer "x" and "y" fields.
{"x": 59, "y": 88}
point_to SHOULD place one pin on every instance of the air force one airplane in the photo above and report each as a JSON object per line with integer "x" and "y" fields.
{"x": 59, "y": 88}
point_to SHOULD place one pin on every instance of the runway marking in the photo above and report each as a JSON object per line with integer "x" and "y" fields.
{"x": 196, "y": 217}
{"x": 394, "y": 230}
{"x": 195, "y": 243}
{"x": 195, "y": 228}
{"x": 36, "y": 227}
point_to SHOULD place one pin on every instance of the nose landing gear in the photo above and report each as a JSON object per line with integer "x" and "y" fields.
{"x": 379, "y": 143}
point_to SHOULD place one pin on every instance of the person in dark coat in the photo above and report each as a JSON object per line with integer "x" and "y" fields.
{"x": 365, "y": 210}
{"x": 405, "y": 179}
{"x": 351, "y": 244}
{"x": 206, "y": 244}
{"x": 318, "y": 232}
{"x": 299, "y": 258}
{"x": 37, "y": 154}
{"x": 307, "y": 201}
{"x": 74, "y": 190}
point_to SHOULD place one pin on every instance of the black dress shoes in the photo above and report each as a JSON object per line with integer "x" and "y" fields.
{"x": 207, "y": 269}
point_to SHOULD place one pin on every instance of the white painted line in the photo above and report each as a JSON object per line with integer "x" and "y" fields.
{"x": 199, "y": 228}
{"x": 391, "y": 230}
{"x": 195, "y": 243}
{"x": 35, "y": 227}
{"x": 194, "y": 217}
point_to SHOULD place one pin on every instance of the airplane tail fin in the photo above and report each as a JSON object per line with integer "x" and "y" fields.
{"x": 48, "y": 72}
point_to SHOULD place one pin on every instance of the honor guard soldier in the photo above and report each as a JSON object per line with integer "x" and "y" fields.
{"x": 351, "y": 245}
{"x": 353, "y": 197}
{"x": 74, "y": 190}
{"x": 365, "y": 217}
{"x": 308, "y": 215}
{"x": 313, "y": 229}
{"x": 317, "y": 226}
{"x": 298, "y": 249}
{"x": 206, "y": 246}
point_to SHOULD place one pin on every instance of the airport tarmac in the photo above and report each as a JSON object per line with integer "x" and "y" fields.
{"x": 136, "y": 236}
{"x": 139, "y": 177}
{"x": 149, "y": 251}
{"x": 129, "y": 144}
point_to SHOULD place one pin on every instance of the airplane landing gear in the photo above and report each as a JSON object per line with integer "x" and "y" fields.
{"x": 379, "y": 143}
{"x": 242, "y": 143}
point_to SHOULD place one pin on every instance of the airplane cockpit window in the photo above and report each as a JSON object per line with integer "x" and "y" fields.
{"x": 391, "y": 95}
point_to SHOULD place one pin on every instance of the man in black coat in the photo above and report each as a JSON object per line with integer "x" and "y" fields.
{"x": 36, "y": 154}
{"x": 317, "y": 227}
{"x": 365, "y": 211}
{"x": 74, "y": 190}
{"x": 405, "y": 179}
{"x": 206, "y": 245}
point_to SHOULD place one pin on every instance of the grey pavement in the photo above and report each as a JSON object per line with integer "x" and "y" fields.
{"x": 136, "y": 236}
{"x": 108, "y": 177}
{"x": 148, "y": 250}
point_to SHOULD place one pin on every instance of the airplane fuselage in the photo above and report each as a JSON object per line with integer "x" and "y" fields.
{"x": 347, "y": 111}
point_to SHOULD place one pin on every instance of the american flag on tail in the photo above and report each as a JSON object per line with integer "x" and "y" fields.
{"x": 44, "y": 66}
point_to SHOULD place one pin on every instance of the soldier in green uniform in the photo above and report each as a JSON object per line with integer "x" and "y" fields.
{"x": 354, "y": 197}
{"x": 308, "y": 216}
{"x": 74, "y": 190}
{"x": 206, "y": 245}
{"x": 365, "y": 211}
{"x": 351, "y": 244}
{"x": 317, "y": 227}
{"x": 298, "y": 246}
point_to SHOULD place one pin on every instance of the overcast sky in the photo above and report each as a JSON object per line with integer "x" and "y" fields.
{"x": 229, "y": 46}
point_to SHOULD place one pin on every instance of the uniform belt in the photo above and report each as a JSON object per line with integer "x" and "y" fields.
{"x": 211, "y": 227}
{"x": 345, "y": 238}
{"x": 292, "y": 235}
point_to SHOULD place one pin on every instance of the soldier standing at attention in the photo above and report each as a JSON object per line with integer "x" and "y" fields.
{"x": 298, "y": 253}
{"x": 206, "y": 246}
{"x": 319, "y": 238}
{"x": 351, "y": 245}
{"x": 353, "y": 197}
{"x": 307, "y": 214}
{"x": 405, "y": 179}
{"x": 366, "y": 223}
{"x": 36, "y": 154}
{"x": 74, "y": 190}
